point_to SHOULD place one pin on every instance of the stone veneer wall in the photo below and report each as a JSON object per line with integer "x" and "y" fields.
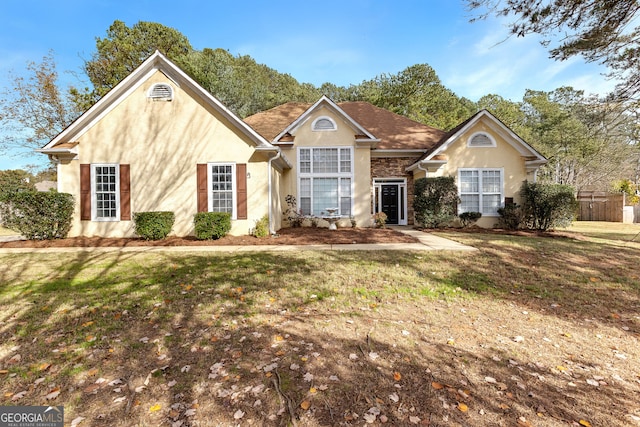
{"x": 395, "y": 167}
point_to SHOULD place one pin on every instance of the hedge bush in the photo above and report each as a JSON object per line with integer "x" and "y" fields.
{"x": 511, "y": 217}
{"x": 262, "y": 227}
{"x": 38, "y": 215}
{"x": 153, "y": 225}
{"x": 435, "y": 201}
{"x": 211, "y": 225}
{"x": 547, "y": 206}
{"x": 469, "y": 218}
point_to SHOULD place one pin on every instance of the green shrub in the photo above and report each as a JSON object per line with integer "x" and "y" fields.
{"x": 153, "y": 225}
{"x": 211, "y": 225}
{"x": 547, "y": 206}
{"x": 511, "y": 217}
{"x": 435, "y": 201}
{"x": 38, "y": 215}
{"x": 469, "y": 218}
{"x": 262, "y": 227}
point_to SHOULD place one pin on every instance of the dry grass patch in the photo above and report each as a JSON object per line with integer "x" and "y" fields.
{"x": 531, "y": 330}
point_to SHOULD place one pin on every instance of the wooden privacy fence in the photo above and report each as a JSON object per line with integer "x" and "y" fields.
{"x": 600, "y": 206}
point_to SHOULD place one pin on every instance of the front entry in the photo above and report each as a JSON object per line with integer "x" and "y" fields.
{"x": 390, "y": 203}
{"x": 390, "y": 198}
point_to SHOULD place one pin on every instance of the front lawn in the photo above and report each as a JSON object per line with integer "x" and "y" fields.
{"x": 538, "y": 331}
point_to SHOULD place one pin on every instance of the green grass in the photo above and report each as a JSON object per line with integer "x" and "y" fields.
{"x": 95, "y": 309}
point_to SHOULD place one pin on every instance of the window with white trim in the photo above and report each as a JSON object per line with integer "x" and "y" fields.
{"x": 481, "y": 190}
{"x": 323, "y": 124}
{"x": 161, "y": 92}
{"x": 481, "y": 139}
{"x": 325, "y": 180}
{"x": 105, "y": 192}
{"x": 222, "y": 184}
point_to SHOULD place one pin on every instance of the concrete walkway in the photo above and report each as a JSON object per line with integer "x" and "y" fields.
{"x": 427, "y": 242}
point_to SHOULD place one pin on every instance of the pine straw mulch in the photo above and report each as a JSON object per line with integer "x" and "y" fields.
{"x": 285, "y": 236}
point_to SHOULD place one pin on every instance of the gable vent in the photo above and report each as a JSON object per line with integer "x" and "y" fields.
{"x": 161, "y": 92}
{"x": 481, "y": 140}
{"x": 324, "y": 123}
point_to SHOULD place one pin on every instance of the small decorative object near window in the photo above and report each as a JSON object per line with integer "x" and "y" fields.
{"x": 332, "y": 217}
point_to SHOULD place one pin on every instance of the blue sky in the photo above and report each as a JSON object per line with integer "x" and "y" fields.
{"x": 342, "y": 42}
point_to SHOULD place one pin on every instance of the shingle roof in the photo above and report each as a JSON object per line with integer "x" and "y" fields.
{"x": 393, "y": 130}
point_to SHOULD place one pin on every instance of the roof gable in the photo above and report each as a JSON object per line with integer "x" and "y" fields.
{"x": 156, "y": 62}
{"x": 496, "y": 126}
{"x": 362, "y": 134}
{"x": 392, "y": 131}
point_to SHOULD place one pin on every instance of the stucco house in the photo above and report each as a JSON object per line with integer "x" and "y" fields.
{"x": 159, "y": 142}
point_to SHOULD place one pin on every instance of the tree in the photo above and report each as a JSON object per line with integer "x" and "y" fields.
{"x": 417, "y": 93}
{"x": 243, "y": 85}
{"x": 34, "y": 110}
{"x": 588, "y": 141}
{"x": 124, "y": 48}
{"x": 509, "y": 112}
{"x": 600, "y": 31}
{"x": 15, "y": 181}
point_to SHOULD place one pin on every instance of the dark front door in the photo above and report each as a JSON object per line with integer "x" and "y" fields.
{"x": 390, "y": 203}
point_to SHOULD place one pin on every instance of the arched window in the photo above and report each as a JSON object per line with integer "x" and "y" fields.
{"x": 481, "y": 139}
{"x": 323, "y": 123}
{"x": 161, "y": 92}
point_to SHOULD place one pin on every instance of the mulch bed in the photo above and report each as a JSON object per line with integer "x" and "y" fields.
{"x": 286, "y": 236}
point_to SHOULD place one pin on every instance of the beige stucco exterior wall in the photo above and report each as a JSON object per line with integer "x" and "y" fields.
{"x": 344, "y": 136}
{"x": 163, "y": 142}
{"x": 503, "y": 156}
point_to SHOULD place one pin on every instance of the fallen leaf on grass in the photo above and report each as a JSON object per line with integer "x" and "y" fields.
{"x": 53, "y": 393}
{"x": 76, "y": 421}
{"x": 437, "y": 385}
{"x": 397, "y": 376}
{"x": 92, "y": 389}
{"x": 585, "y": 423}
{"x": 305, "y": 404}
{"x": 370, "y": 418}
{"x": 18, "y": 396}
{"x": 155, "y": 408}
{"x": 462, "y": 407}
{"x": 523, "y": 422}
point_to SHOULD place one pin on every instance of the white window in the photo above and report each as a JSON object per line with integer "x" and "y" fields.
{"x": 325, "y": 180}
{"x": 480, "y": 190}
{"x": 105, "y": 192}
{"x": 222, "y": 183}
{"x": 481, "y": 139}
{"x": 161, "y": 92}
{"x": 323, "y": 124}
